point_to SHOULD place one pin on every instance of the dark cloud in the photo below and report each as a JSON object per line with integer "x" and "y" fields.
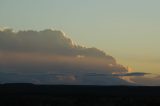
{"x": 46, "y": 41}
{"x": 132, "y": 74}
{"x": 67, "y": 78}
{"x": 49, "y": 56}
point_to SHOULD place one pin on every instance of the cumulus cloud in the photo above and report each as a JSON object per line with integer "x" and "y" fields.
{"x": 49, "y": 57}
{"x": 46, "y": 41}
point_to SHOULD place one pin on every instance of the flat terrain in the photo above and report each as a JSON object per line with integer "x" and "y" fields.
{"x": 77, "y": 95}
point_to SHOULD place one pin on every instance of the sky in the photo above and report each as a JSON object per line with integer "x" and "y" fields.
{"x": 128, "y": 30}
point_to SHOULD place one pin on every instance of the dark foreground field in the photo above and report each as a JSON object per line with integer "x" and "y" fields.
{"x": 80, "y": 95}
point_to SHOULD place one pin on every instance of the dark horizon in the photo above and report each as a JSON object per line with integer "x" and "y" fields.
{"x": 29, "y": 94}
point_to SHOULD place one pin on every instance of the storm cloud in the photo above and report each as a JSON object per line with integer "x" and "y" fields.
{"x": 46, "y": 41}
{"x": 50, "y": 57}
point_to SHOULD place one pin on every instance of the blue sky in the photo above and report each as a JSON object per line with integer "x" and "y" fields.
{"x": 126, "y": 29}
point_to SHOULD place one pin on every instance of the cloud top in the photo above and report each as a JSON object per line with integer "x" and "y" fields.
{"x": 48, "y": 41}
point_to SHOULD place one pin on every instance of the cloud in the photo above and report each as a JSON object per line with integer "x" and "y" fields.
{"x": 153, "y": 80}
{"x": 49, "y": 57}
{"x": 4, "y": 28}
{"x": 132, "y": 74}
{"x": 46, "y": 41}
{"x": 65, "y": 78}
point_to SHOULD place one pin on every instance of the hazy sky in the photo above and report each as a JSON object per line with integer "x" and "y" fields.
{"x": 126, "y": 29}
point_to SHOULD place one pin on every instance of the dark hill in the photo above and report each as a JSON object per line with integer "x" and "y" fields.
{"x": 43, "y": 95}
